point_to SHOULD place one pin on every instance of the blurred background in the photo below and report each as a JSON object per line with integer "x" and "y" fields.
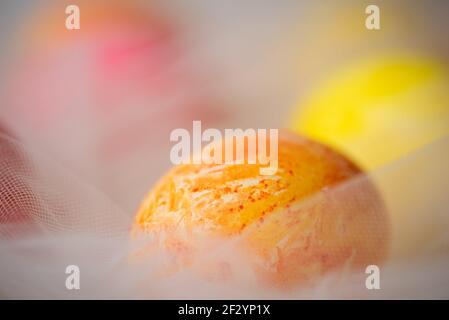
{"x": 104, "y": 98}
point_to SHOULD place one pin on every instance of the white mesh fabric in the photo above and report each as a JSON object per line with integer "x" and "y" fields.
{"x": 50, "y": 219}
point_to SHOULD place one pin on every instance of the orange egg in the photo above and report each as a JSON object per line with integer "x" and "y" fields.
{"x": 46, "y": 26}
{"x": 291, "y": 226}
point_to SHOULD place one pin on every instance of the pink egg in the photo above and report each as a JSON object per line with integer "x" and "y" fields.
{"x": 103, "y": 99}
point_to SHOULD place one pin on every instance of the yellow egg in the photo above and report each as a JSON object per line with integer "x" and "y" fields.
{"x": 378, "y": 110}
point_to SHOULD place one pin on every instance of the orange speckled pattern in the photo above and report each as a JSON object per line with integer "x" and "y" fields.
{"x": 288, "y": 242}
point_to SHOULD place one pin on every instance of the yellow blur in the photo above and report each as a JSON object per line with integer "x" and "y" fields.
{"x": 378, "y": 110}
